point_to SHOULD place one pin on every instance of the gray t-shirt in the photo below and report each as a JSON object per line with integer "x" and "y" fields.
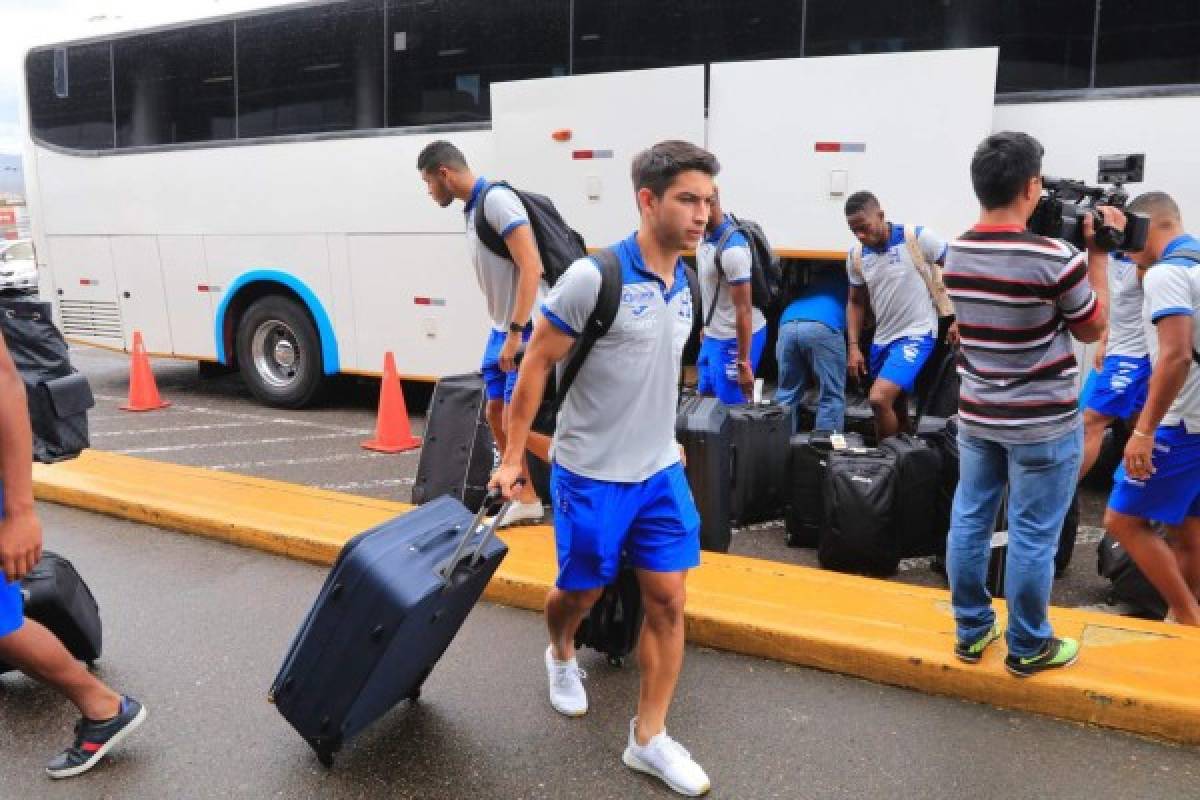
{"x": 1126, "y": 332}
{"x": 1173, "y": 288}
{"x": 737, "y": 265}
{"x": 902, "y": 303}
{"x": 497, "y": 275}
{"x": 618, "y": 420}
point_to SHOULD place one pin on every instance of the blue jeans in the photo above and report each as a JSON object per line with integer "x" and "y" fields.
{"x": 810, "y": 351}
{"x": 1041, "y": 479}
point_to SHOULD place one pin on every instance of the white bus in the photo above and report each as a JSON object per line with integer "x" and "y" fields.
{"x": 242, "y": 189}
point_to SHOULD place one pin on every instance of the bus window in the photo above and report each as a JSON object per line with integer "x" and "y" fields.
{"x": 444, "y": 55}
{"x": 1044, "y": 44}
{"x": 1148, "y": 44}
{"x": 634, "y": 34}
{"x": 748, "y": 30}
{"x": 175, "y": 86}
{"x": 312, "y": 70}
{"x": 77, "y": 112}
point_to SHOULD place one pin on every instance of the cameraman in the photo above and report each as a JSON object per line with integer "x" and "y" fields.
{"x": 1160, "y": 477}
{"x": 1016, "y": 295}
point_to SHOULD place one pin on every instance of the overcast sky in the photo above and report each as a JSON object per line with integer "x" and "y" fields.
{"x": 27, "y": 22}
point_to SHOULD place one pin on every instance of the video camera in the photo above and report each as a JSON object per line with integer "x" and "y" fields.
{"x": 1064, "y": 204}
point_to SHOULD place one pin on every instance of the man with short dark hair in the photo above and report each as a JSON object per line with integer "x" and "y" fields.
{"x": 618, "y": 486}
{"x": 511, "y": 288}
{"x": 886, "y": 270}
{"x": 1160, "y": 476}
{"x": 735, "y": 332}
{"x": 1016, "y": 295}
{"x": 25, "y": 644}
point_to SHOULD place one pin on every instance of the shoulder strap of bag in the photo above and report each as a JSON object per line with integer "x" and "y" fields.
{"x": 598, "y": 322}
{"x": 856, "y": 263}
{"x": 487, "y": 235}
{"x": 930, "y": 273}
{"x": 722, "y": 243}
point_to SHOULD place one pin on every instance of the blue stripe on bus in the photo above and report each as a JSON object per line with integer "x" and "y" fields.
{"x": 329, "y": 348}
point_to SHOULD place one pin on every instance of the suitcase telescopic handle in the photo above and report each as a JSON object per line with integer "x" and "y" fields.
{"x": 490, "y": 502}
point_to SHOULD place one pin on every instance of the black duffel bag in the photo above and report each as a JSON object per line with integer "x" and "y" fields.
{"x": 59, "y": 396}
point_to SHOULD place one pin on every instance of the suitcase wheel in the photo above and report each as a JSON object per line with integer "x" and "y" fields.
{"x": 325, "y": 749}
{"x": 616, "y": 661}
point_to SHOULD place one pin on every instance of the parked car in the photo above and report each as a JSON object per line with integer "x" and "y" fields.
{"x": 18, "y": 267}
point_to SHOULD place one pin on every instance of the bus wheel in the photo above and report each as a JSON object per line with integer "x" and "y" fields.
{"x": 279, "y": 353}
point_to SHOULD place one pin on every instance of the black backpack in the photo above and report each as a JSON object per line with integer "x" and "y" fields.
{"x": 558, "y": 244}
{"x": 766, "y": 273}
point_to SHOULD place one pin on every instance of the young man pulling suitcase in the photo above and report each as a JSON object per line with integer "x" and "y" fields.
{"x": 27, "y": 645}
{"x": 511, "y": 287}
{"x": 618, "y": 485}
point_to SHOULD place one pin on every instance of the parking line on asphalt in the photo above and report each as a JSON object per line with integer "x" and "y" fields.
{"x": 175, "y": 448}
{"x": 292, "y": 462}
{"x": 177, "y": 408}
{"x": 358, "y": 486}
{"x": 180, "y": 428}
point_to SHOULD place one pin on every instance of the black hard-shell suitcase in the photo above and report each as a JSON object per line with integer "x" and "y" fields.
{"x": 394, "y": 600}
{"x": 918, "y": 489}
{"x": 57, "y": 597}
{"x": 57, "y": 395}
{"x": 860, "y": 492}
{"x": 1129, "y": 584}
{"x": 457, "y": 454}
{"x": 805, "y": 508}
{"x": 759, "y": 451}
{"x": 702, "y": 427}
{"x": 613, "y": 625}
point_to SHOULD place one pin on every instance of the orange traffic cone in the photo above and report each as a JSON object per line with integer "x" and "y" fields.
{"x": 143, "y": 391}
{"x": 393, "y": 434}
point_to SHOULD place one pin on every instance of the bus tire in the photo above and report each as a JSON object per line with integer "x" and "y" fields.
{"x": 279, "y": 353}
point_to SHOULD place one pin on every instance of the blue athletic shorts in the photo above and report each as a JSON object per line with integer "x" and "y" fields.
{"x": 1173, "y": 491}
{"x": 12, "y": 605}
{"x": 500, "y": 384}
{"x": 653, "y": 524}
{"x": 1119, "y": 389}
{"x": 900, "y": 361}
{"x": 716, "y": 367}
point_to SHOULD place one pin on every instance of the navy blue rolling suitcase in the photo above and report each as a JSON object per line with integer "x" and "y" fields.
{"x": 394, "y": 600}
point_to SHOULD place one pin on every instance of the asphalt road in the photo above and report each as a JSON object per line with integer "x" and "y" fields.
{"x": 214, "y": 422}
{"x": 197, "y": 629}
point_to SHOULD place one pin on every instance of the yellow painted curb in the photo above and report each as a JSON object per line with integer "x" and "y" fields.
{"x": 1136, "y": 676}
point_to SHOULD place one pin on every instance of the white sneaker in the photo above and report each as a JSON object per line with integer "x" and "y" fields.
{"x": 567, "y": 694}
{"x": 519, "y": 513}
{"x": 667, "y": 760}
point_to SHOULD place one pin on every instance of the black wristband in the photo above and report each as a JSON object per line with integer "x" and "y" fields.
{"x": 516, "y": 327}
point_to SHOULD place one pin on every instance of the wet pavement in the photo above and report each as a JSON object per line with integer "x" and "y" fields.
{"x": 197, "y": 629}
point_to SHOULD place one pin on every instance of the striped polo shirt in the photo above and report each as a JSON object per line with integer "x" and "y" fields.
{"x": 1014, "y": 294}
